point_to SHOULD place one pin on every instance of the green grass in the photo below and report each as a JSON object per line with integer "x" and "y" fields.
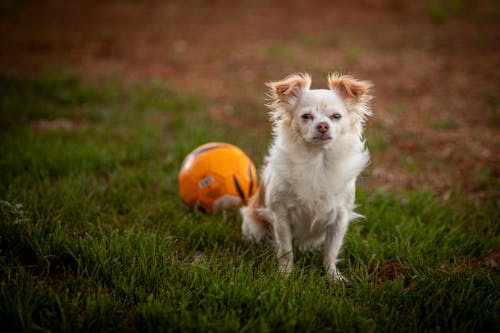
{"x": 440, "y": 10}
{"x": 94, "y": 236}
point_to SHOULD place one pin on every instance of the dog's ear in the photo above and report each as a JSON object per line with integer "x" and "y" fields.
{"x": 286, "y": 93}
{"x": 356, "y": 93}
{"x": 350, "y": 88}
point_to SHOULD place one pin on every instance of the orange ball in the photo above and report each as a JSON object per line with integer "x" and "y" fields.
{"x": 217, "y": 176}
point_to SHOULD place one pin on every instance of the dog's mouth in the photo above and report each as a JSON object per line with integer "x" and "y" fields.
{"x": 323, "y": 137}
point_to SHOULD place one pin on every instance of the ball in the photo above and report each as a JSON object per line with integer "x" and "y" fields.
{"x": 217, "y": 177}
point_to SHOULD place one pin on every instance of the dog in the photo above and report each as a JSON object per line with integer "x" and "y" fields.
{"x": 308, "y": 180}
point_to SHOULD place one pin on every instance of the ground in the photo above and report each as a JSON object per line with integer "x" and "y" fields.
{"x": 100, "y": 101}
{"x": 433, "y": 65}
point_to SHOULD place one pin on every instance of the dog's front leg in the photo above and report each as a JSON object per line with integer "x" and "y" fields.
{"x": 333, "y": 242}
{"x": 283, "y": 238}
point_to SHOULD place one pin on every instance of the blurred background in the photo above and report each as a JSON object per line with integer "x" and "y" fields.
{"x": 434, "y": 65}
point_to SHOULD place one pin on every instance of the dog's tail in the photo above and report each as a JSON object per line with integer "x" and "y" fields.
{"x": 255, "y": 226}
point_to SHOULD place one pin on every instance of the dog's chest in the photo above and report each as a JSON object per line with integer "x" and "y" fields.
{"x": 314, "y": 189}
{"x": 315, "y": 182}
{"x": 309, "y": 219}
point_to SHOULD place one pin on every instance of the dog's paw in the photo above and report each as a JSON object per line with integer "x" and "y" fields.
{"x": 335, "y": 276}
{"x": 285, "y": 265}
{"x": 285, "y": 271}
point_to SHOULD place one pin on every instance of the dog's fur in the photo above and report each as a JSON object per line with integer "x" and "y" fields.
{"x": 308, "y": 180}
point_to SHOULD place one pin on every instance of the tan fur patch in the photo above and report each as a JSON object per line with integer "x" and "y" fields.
{"x": 349, "y": 87}
{"x": 258, "y": 201}
{"x": 281, "y": 94}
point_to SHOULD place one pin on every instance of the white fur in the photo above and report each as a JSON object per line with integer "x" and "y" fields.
{"x": 310, "y": 175}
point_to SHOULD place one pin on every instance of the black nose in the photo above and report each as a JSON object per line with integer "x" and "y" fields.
{"x": 322, "y": 127}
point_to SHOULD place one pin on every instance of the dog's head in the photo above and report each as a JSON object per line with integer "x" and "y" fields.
{"x": 319, "y": 116}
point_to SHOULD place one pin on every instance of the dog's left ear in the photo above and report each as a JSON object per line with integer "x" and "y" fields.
{"x": 350, "y": 88}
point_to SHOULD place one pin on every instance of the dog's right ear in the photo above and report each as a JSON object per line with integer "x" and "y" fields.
{"x": 286, "y": 93}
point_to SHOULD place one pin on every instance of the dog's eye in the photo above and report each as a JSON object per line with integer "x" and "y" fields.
{"x": 307, "y": 116}
{"x": 336, "y": 116}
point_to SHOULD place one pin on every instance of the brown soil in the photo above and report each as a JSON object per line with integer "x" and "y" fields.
{"x": 434, "y": 66}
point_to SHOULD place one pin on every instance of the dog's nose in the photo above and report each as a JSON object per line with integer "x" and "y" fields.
{"x": 322, "y": 127}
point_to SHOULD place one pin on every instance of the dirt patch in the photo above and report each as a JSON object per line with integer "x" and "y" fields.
{"x": 492, "y": 260}
{"x": 434, "y": 68}
{"x": 53, "y": 124}
{"x": 389, "y": 271}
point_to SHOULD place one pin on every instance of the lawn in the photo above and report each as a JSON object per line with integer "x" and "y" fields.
{"x": 94, "y": 236}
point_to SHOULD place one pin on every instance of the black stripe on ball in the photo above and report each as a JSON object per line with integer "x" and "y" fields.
{"x": 200, "y": 151}
{"x": 250, "y": 189}
{"x": 238, "y": 188}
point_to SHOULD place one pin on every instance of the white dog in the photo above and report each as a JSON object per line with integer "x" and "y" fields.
{"x": 308, "y": 181}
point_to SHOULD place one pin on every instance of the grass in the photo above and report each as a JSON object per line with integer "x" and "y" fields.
{"x": 94, "y": 236}
{"x": 440, "y": 10}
